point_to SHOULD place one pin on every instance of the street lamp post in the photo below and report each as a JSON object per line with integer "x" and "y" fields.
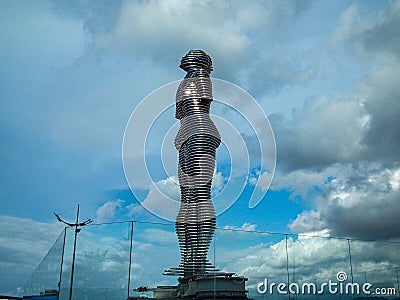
{"x": 77, "y": 230}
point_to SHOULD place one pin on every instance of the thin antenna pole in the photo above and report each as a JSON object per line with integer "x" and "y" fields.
{"x": 130, "y": 262}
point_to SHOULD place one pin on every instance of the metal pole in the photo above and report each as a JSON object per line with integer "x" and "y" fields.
{"x": 130, "y": 262}
{"x": 398, "y": 285}
{"x": 62, "y": 262}
{"x": 351, "y": 264}
{"x": 215, "y": 273}
{"x": 294, "y": 268}
{"x": 287, "y": 262}
{"x": 76, "y": 225}
{"x": 73, "y": 254}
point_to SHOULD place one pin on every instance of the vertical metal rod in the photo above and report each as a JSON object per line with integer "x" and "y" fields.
{"x": 398, "y": 285}
{"x": 61, "y": 266}
{"x": 215, "y": 273}
{"x": 351, "y": 265}
{"x": 73, "y": 254}
{"x": 287, "y": 263}
{"x": 294, "y": 268}
{"x": 130, "y": 262}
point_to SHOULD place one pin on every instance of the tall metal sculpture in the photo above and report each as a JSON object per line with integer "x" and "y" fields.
{"x": 196, "y": 141}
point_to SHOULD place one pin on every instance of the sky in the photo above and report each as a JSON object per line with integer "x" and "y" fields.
{"x": 325, "y": 73}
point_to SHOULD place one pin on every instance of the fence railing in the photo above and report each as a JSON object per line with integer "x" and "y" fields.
{"x": 113, "y": 259}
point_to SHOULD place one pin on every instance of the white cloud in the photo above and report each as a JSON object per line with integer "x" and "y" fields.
{"x": 301, "y": 182}
{"x": 349, "y": 25}
{"x": 308, "y": 221}
{"x": 158, "y": 30}
{"x": 262, "y": 181}
{"x": 308, "y": 258}
{"x": 244, "y": 227}
{"x": 218, "y": 183}
{"x": 107, "y": 211}
{"x": 162, "y": 199}
{"x": 312, "y": 234}
{"x": 143, "y": 27}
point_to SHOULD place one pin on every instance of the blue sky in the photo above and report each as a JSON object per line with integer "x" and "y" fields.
{"x": 71, "y": 73}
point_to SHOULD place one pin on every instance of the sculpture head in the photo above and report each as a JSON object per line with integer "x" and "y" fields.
{"x": 196, "y": 59}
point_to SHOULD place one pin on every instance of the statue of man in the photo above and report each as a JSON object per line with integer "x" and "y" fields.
{"x": 196, "y": 141}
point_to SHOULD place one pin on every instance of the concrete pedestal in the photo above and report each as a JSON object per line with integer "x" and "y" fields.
{"x": 221, "y": 286}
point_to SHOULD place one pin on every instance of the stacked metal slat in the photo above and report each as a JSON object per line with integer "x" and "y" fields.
{"x": 196, "y": 141}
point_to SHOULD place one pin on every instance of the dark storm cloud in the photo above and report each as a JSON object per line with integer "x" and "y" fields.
{"x": 382, "y": 103}
{"x": 364, "y": 204}
{"x": 361, "y": 124}
{"x": 360, "y": 201}
{"x": 377, "y": 39}
{"x": 376, "y": 217}
{"x": 382, "y": 35}
{"x": 356, "y": 143}
{"x": 324, "y": 132}
{"x": 351, "y": 141}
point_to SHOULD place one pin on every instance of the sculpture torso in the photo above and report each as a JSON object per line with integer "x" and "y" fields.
{"x": 193, "y": 99}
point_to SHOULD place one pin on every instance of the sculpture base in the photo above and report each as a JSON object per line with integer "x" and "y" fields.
{"x": 222, "y": 286}
{"x": 212, "y": 286}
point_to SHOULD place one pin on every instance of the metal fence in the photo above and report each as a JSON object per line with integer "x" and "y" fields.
{"x": 113, "y": 259}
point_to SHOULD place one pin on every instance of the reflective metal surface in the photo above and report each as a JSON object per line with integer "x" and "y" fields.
{"x": 196, "y": 142}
